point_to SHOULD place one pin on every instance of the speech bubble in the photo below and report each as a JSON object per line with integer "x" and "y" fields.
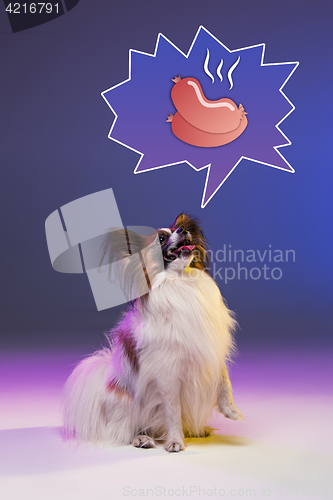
{"x": 143, "y": 102}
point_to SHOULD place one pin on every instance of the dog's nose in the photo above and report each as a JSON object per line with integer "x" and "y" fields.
{"x": 182, "y": 230}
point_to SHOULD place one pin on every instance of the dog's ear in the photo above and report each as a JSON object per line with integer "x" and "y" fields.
{"x": 114, "y": 247}
{"x": 131, "y": 261}
{"x": 189, "y": 221}
{"x": 121, "y": 243}
{"x": 178, "y": 221}
{"x": 183, "y": 219}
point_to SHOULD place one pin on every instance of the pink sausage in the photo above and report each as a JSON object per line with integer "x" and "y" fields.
{"x": 192, "y": 135}
{"x": 219, "y": 116}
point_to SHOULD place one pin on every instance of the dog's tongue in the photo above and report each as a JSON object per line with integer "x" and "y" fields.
{"x": 185, "y": 247}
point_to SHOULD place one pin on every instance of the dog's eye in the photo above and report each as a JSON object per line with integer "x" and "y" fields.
{"x": 161, "y": 238}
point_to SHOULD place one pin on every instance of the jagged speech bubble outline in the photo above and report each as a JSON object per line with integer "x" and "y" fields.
{"x": 142, "y": 103}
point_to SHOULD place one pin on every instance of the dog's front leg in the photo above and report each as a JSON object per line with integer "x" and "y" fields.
{"x": 225, "y": 401}
{"x": 170, "y": 392}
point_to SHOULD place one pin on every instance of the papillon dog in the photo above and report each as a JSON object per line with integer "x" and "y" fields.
{"x": 165, "y": 368}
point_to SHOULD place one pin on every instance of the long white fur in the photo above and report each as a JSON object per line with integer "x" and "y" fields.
{"x": 183, "y": 337}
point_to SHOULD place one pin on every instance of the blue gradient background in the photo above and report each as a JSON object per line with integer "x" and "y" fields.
{"x": 54, "y": 149}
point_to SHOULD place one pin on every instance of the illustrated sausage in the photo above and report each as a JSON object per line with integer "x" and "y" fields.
{"x": 215, "y": 117}
{"x": 192, "y": 135}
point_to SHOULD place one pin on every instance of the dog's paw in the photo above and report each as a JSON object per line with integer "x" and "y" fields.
{"x": 231, "y": 411}
{"x": 143, "y": 441}
{"x": 174, "y": 446}
{"x": 207, "y": 431}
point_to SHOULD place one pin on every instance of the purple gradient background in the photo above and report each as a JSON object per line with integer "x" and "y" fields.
{"x": 54, "y": 149}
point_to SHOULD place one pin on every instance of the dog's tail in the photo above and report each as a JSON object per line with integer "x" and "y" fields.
{"x": 93, "y": 412}
{"x": 83, "y": 397}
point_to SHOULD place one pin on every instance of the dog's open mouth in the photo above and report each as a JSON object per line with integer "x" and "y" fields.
{"x": 181, "y": 250}
{"x": 185, "y": 249}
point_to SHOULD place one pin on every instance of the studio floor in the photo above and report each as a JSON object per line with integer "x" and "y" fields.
{"x": 283, "y": 449}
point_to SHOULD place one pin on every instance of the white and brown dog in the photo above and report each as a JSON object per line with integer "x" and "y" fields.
{"x": 166, "y": 366}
